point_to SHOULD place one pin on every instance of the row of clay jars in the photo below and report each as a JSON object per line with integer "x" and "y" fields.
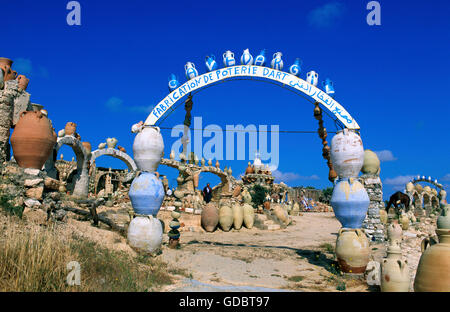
{"x": 33, "y": 140}
{"x": 227, "y": 217}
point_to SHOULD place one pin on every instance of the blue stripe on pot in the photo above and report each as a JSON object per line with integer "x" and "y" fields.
{"x": 146, "y": 194}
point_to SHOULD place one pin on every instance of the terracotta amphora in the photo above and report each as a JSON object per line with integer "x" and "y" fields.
{"x": 23, "y": 82}
{"x": 210, "y": 217}
{"x": 226, "y": 218}
{"x": 33, "y": 140}
{"x": 70, "y": 128}
{"x": 249, "y": 216}
{"x": 238, "y": 216}
{"x": 433, "y": 271}
{"x": 5, "y": 65}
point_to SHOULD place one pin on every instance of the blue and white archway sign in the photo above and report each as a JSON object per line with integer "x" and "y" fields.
{"x": 251, "y": 71}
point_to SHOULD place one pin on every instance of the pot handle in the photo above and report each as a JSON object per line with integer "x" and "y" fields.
{"x": 425, "y": 243}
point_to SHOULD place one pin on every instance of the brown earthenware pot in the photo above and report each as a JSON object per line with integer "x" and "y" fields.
{"x": 33, "y": 140}
{"x": 267, "y": 205}
{"x": 23, "y": 82}
{"x": 237, "y": 191}
{"x": 70, "y": 128}
{"x": 210, "y": 217}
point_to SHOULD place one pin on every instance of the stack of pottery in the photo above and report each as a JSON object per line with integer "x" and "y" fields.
{"x": 147, "y": 191}
{"x": 33, "y": 140}
{"x": 433, "y": 271}
{"x": 350, "y": 201}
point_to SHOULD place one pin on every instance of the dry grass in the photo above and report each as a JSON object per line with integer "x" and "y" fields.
{"x": 35, "y": 259}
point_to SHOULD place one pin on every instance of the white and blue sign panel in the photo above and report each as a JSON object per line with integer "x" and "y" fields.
{"x": 252, "y": 71}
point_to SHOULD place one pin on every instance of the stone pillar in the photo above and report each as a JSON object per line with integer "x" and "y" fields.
{"x": 7, "y": 96}
{"x": 372, "y": 225}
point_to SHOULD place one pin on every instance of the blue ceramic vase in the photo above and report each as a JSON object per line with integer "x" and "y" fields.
{"x": 146, "y": 194}
{"x": 173, "y": 82}
{"x": 329, "y": 87}
{"x": 211, "y": 63}
{"x": 350, "y": 202}
{"x": 261, "y": 58}
{"x": 295, "y": 68}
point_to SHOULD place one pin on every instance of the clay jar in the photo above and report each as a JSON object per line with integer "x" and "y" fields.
{"x": 249, "y": 216}
{"x": 196, "y": 179}
{"x": 33, "y": 140}
{"x": 433, "y": 271}
{"x": 87, "y": 146}
{"x": 225, "y": 218}
{"x": 394, "y": 232}
{"x": 352, "y": 250}
{"x": 8, "y": 73}
{"x": 23, "y": 82}
{"x": 371, "y": 162}
{"x": 148, "y": 148}
{"x": 404, "y": 221}
{"x": 266, "y": 205}
{"x": 70, "y": 128}
{"x": 238, "y": 216}
{"x": 145, "y": 233}
{"x": 146, "y": 194}
{"x": 282, "y": 214}
{"x": 443, "y": 221}
{"x": 394, "y": 272}
{"x": 237, "y": 191}
{"x": 347, "y": 153}
{"x": 210, "y": 217}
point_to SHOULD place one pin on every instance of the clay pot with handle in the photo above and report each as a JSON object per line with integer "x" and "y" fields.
{"x": 23, "y": 82}
{"x": 352, "y": 250}
{"x": 33, "y": 140}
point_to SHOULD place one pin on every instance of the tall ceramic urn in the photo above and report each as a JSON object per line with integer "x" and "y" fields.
{"x": 147, "y": 191}
{"x": 350, "y": 201}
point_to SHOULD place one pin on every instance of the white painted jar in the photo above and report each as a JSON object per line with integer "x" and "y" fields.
{"x": 347, "y": 154}
{"x": 148, "y": 148}
{"x": 145, "y": 233}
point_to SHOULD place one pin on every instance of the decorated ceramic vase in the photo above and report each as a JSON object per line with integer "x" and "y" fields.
{"x": 433, "y": 271}
{"x": 350, "y": 202}
{"x": 228, "y": 59}
{"x": 313, "y": 78}
{"x": 238, "y": 216}
{"x": 277, "y": 62}
{"x": 246, "y": 58}
{"x": 352, "y": 250}
{"x": 33, "y": 140}
{"x": 146, "y": 194}
{"x": 148, "y": 148}
{"x": 226, "y": 218}
{"x": 210, "y": 217}
{"x": 173, "y": 82}
{"x": 295, "y": 68}
{"x": 190, "y": 70}
{"x": 261, "y": 58}
{"x": 328, "y": 87}
{"x": 395, "y": 275}
{"x": 211, "y": 63}
{"x": 249, "y": 215}
{"x": 347, "y": 153}
{"x": 145, "y": 233}
{"x": 70, "y": 128}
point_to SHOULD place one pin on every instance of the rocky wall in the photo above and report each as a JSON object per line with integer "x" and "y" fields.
{"x": 372, "y": 225}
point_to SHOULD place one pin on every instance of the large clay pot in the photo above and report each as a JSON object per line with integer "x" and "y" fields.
{"x": 395, "y": 275}
{"x": 210, "y": 217}
{"x": 145, "y": 233}
{"x": 350, "y": 203}
{"x": 282, "y": 214}
{"x": 352, "y": 250}
{"x": 383, "y": 216}
{"x": 146, "y": 194}
{"x": 347, "y": 153}
{"x": 266, "y": 205}
{"x": 8, "y": 73}
{"x": 148, "y": 148}
{"x": 433, "y": 271}
{"x": 23, "y": 82}
{"x": 33, "y": 140}
{"x": 443, "y": 221}
{"x": 394, "y": 232}
{"x": 371, "y": 162}
{"x": 238, "y": 216}
{"x": 70, "y": 128}
{"x": 225, "y": 218}
{"x": 249, "y": 216}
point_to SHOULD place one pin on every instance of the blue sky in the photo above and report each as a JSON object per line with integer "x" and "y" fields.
{"x": 109, "y": 72}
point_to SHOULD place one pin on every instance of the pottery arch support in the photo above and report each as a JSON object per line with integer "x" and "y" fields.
{"x": 81, "y": 189}
{"x": 132, "y": 167}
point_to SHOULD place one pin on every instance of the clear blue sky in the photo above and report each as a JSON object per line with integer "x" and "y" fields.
{"x": 107, "y": 73}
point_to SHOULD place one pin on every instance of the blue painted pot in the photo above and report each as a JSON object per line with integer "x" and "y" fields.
{"x": 173, "y": 82}
{"x": 261, "y": 58}
{"x": 211, "y": 63}
{"x": 350, "y": 203}
{"x": 146, "y": 194}
{"x": 328, "y": 86}
{"x": 295, "y": 68}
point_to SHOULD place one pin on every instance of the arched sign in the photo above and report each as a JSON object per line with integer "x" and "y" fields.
{"x": 252, "y": 71}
